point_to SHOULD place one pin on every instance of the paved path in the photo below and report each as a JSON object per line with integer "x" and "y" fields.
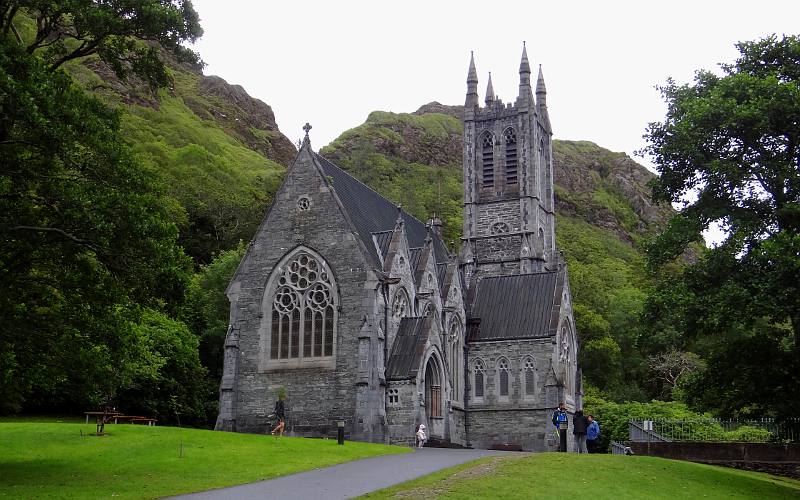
{"x": 350, "y": 479}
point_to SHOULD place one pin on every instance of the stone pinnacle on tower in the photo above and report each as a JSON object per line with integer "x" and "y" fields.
{"x": 541, "y": 91}
{"x": 489, "y": 91}
{"x": 524, "y": 68}
{"x": 472, "y": 84}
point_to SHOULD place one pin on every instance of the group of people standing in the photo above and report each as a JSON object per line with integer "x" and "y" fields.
{"x": 585, "y": 430}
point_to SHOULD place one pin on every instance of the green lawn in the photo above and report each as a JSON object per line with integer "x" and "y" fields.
{"x": 53, "y": 460}
{"x": 571, "y": 476}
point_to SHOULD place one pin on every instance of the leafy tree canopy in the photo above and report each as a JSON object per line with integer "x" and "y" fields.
{"x": 87, "y": 240}
{"x": 729, "y": 150}
{"x": 125, "y": 34}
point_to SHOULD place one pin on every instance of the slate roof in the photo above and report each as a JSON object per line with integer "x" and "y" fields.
{"x": 515, "y": 307}
{"x": 408, "y": 348}
{"x": 413, "y": 256}
{"x": 382, "y": 240}
{"x": 372, "y": 213}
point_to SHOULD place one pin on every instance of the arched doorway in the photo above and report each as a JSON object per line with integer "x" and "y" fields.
{"x": 434, "y": 396}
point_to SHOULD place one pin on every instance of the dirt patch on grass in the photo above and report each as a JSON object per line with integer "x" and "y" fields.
{"x": 443, "y": 486}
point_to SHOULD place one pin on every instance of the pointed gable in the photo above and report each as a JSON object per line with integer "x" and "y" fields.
{"x": 372, "y": 213}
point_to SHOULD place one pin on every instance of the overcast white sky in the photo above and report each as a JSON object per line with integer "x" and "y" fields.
{"x": 332, "y": 62}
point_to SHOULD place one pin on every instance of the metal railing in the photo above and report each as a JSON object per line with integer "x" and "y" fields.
{"x": 764, "y": 430}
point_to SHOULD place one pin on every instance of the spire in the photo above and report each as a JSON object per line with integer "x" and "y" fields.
{"x": 472, "y": 84}
{"x": 489, "y": 91}
{"x": 541, "y": 91}
{"x": 524, "y": 68}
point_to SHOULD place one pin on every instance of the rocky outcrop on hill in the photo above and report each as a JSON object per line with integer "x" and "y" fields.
{"x": 249, "y": 119}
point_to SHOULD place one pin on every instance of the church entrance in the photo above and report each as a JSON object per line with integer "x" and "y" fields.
{"x": 433, "y": 397}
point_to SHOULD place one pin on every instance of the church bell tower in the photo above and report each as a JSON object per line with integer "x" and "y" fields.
{"x": 509, "y": 223}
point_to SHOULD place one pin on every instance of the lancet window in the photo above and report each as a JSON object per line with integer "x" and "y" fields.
{"x": 487, "y": 160}
{"x": 510, "y": 139}
{"x": 503, "y": 372}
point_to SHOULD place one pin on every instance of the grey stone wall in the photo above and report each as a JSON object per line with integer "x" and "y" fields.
{"x": 316, "y": 397}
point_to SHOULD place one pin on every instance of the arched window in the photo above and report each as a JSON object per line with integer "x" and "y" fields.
{"x": 567, "y": 354}
{"x": 510, "y": 139}
{"x": 400, "y": 304}
{"x": 456, "y": 354}
{"x": 487, "y": 159}
{"x": 301, "y": 302}
{"x": 503, "y": 373}
{"x": 529, "y": 376}
{"x": 479, "y": 370}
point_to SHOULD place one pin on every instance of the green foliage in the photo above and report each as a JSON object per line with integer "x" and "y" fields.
{"x": 49, "y": 460}
{"x": 87, "y": 235}
{"x": 166, "y": 379}
{"x": 607, "y": 281}
{"x": 224, "y": 186}
{"x": 128, "y": 35}
{"x": 207, "y": 308}
{"x": 729, "y": 144}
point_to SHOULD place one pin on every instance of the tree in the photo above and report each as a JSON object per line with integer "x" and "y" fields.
{"x": 668, "y": 367}
{"x": 728, "y": 151}
{"x": 126, "y": 34}
{"x": 87, "y": 240}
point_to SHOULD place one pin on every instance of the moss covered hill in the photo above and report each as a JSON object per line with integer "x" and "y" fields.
{"x": 218, "y": 150}
{"x": 604, "y": 214}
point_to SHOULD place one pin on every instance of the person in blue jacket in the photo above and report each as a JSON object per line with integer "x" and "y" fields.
{"x": 592, "y": 435}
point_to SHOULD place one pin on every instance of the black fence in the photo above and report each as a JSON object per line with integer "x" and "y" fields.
{"x": 712, "y": 430}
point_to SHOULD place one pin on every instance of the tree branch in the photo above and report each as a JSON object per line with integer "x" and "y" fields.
{"x": 56, "y": 230}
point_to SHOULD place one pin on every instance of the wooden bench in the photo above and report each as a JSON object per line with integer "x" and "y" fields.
{"x": 143, "y": 420}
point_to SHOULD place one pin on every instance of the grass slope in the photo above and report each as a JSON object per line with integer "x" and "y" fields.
{"x": 53, "y": 460}
{"x": 551, "y": 475}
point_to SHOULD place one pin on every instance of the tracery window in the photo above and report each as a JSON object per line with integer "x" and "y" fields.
{"x": 499, "y": 228}
{"x": 479, "y": 371}
{"x": 304, "y": 203}
{"x": 303, "y": 315}
{"x": 529, "y": 376}
{"x": 487, "y": 159}
{"x": 400, "y": 304}
{"x": 510, "y": 139}
{"x": 502, "y": 368}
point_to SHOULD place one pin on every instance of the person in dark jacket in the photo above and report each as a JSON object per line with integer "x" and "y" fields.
{"x": 280, "y": 414}
{"x": 560, "y": 421}
{"x": 580, "y": 425}
{"x": 592, "y": 435}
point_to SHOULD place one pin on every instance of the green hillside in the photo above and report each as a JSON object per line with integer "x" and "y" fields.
{"x": 217, "y": 149}
{"x": 603, "y": 217}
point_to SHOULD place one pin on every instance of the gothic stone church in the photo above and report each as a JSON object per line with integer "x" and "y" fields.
{"x": 359, "y": 311}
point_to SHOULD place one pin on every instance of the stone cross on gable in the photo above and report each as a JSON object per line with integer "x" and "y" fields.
{"x": 307, "y": 128}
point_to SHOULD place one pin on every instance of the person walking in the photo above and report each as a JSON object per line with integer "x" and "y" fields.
{"x": 592, "y": 435}
{"x": 580, "y": 424}
{"x": 421, "y": 436}
{"x": 280, "y": 415}
{"x": 560, "y": 421}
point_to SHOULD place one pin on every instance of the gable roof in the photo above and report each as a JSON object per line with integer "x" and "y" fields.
{"x": 408, "y": 347}
{"x": 515, "y": 307}
{"x": 372, "y": 213}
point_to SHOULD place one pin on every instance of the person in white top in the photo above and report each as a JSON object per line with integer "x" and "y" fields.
{"x": 421, "y": 436}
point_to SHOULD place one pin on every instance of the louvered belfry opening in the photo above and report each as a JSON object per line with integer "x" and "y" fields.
{"x": 510, "y": 139}
{"x": 487, "y": 160}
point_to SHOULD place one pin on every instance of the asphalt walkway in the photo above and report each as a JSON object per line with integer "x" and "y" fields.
{"x": 350, "y": 479}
